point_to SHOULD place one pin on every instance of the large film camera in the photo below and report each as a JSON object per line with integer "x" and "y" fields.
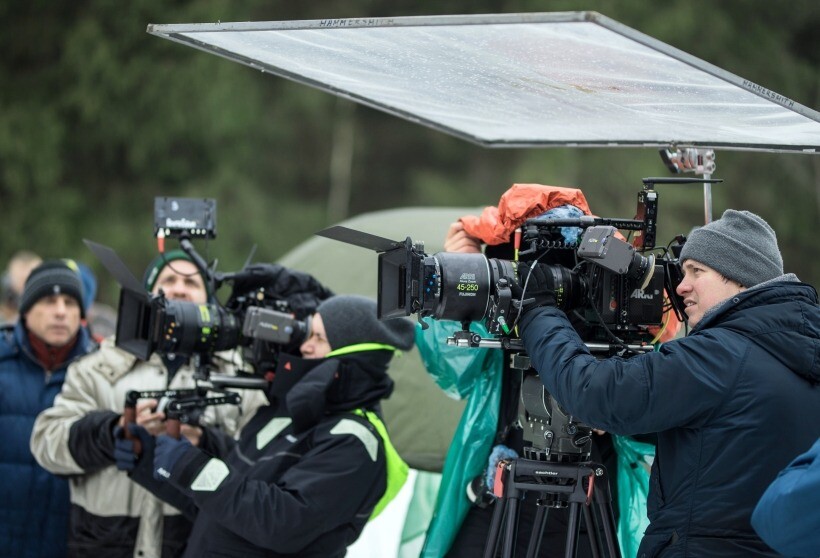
{"x": 616, "y": 291}
{"x": 265, "y": 314}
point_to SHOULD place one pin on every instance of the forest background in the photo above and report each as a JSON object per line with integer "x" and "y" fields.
{"x": 97, "y": 118}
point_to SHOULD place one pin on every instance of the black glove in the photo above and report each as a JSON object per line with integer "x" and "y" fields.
{"x": 124, "y": 455}
{"x": 167, "y": 452}
{"x": 534, "y": 285}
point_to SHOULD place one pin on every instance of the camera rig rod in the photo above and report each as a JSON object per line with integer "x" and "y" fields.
{"x": 587, "y": 221}
{"x": 219, "y": 382}
{"x": 468, "y": 339}
{"x": 188, "y": 247}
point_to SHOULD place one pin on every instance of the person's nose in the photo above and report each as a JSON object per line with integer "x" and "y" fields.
{"x": 177, "y": 291}
{"x": 60, "y": 307}
{"x": 683, "y": 287}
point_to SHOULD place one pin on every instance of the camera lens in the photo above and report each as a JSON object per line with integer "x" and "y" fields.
{"x": 463, "y": 282}
{"x": 186, "y": 328}
{"x": 569, "y": 287}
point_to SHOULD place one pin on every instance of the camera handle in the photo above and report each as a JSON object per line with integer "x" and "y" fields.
{"x": 177, "y": 410}
{"x": 181, "y": 402}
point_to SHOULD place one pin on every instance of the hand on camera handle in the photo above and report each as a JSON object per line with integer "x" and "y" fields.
{"x": 126, "y": 451}
{"x": 533, "y": 286}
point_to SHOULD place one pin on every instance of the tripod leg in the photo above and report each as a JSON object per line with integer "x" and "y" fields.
{"x": 511, "y": 530}
{"x": 538, "y": 526}
{"x": 572, "y": 530}
{"x": 592, "y": 531}
{"x": 608, "y": 521}
{"x": 495, "y": 528}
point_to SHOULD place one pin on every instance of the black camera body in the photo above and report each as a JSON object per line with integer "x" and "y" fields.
{"x": 615, "y": 289}
{"x": 265, "y": 314}
{"x": 155, "y": 324}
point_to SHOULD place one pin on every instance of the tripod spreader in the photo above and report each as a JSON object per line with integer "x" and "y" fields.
{"x": 581, "y": 486}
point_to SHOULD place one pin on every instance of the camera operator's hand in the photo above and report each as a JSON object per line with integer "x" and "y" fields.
{"x": 148, "y": 417}
{"x": 458, "y": 240}
{"x": 125, "y": 456}
{"x": 534, "y": 285}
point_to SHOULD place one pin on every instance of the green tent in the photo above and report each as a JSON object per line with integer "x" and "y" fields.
{"x": 420, "y": 417}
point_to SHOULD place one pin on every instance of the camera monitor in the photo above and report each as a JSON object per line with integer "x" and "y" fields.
{"x": 192, "y": 217}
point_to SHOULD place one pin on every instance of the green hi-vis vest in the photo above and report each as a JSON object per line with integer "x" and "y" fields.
{"x": 397, "y": 469}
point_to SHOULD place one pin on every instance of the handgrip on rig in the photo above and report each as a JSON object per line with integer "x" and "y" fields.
{"x": 129, "y": 415}
{"x": 173, "y": 428}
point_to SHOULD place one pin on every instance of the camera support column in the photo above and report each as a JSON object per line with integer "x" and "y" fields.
{"x": 697, "y": 161}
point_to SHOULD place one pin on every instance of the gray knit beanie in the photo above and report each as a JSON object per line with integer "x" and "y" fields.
{"x": 52, "y": 277}
{"x": 351, "y": 319}
{"x": 740, "y": 245}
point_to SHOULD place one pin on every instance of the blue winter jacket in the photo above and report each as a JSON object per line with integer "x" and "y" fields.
{"x": 787, "y": 516}
{"x": 34, "y": 503}
{"x": 732, "y": 404}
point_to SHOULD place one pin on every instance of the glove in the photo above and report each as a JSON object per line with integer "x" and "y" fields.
{"x": 534, "y": 285}
{"x": 124, "y": 455}
{"x": 167, "y": 452}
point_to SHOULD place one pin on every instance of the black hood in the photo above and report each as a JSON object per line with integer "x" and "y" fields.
{"x": 311, "y": 388}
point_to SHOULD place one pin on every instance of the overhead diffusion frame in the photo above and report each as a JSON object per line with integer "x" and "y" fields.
{"x": 520, "y": 80}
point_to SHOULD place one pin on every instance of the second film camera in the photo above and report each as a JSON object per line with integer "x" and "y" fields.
{"x": 265, "y": 314}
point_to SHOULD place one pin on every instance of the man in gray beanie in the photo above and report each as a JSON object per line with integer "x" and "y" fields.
{"x": 310, "y": 469}
{"x": 732, "y": 403}
{"x": 34, "y": 356}
{"x": 741, "y": 247}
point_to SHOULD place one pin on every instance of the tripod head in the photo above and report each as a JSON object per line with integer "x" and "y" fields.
{"x": 554, "y": 434}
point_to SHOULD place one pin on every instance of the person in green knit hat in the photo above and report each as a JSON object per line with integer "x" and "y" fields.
{"x": 110, "y": 515}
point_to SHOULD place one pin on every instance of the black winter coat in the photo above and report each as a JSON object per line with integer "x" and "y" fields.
{"x": 305, "y": 475}
{"x": 732, "y": 403}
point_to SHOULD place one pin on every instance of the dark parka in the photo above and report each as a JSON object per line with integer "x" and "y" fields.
{"x": 34, "y": 503}
{"x": 305, "y": 475}
{"x": 732, "y": 404}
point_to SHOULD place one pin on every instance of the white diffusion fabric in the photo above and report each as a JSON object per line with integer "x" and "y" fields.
{"x": 518, "y": 80}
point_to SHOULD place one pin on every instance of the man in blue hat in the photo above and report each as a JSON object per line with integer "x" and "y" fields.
{"x": 34, "y": 355}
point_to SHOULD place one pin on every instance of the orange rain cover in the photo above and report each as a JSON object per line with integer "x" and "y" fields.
{"x": 519, "y": 203}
